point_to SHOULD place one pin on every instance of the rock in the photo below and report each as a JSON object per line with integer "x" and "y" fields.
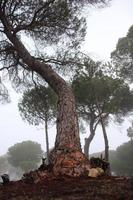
{"x": 95, "y": 172}
{"x": 5, "y": 178}
{"x": 100, "y": 170}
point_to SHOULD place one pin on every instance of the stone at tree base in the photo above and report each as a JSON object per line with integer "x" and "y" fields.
{"x": 95, "y": 172}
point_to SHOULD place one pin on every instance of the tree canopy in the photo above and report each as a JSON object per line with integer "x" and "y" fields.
{"x": 3, "y": 164}
{"x": 40, "y": 21}
{"x": 25, "y": 155}
{"x": 99, "y": 95}
{"x": 122, "y": 164}
{"x": 112, "y": 95}
{"x": 38, "y": 104}
{"x": 130, "y": 132}
{"x": 122, "y": 56}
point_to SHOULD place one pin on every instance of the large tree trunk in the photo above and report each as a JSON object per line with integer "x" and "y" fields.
{"x": 67, "y": 156}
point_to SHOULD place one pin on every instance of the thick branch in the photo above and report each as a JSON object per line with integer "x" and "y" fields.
{"x": 34, "y": 22}
{"x": 67, "y": 123}
{"x": 43, "y": 69}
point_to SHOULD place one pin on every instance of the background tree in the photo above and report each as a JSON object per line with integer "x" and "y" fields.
{"x": 49, "y": 23}
{"x": 4, "y": 166}
{"x": 122, "y": 56}
{"x": 39, "y": 106}
{"x": 4, "y": 95}
{"x": 123, "y": 162}
{"x": 25, "y": 155}
{"x": 98, "y": 96}
{"x": 130, "y": 132}
{"x": 119, "y": 165}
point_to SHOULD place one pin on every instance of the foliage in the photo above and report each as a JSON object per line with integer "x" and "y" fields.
{"x": 98, "y": 96}
{"x": 120, "y": 159}
{"x": 25, "y": 155}
{"x": 112, "y": 95}
{"x": 123, "y": 56}
{"x": 4, "y": 95}
{"x": 4, "y": 166}
{"x": 58, "y": 25}
{"x": 38, "y": 105}
{"x": 130, "y": 132}
{"x": 123, "y": 162}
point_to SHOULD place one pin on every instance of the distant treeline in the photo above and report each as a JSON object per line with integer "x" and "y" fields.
{"x": 121, "y": 161}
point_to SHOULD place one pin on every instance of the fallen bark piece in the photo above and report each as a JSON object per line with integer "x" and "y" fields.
{"x": 95, "y": 172}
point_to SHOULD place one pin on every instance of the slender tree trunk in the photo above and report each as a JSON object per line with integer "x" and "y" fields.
{"x": 67, "y": 156}
{"x": 47, "y": 140}
{"x": 105, "y": 141}
{"x": 89, "y": 139}
{"x": 108, "y": 171}
{"x": 104, "y": 135}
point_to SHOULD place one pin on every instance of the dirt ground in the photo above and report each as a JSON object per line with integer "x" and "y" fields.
{"x": 66, "y": 188}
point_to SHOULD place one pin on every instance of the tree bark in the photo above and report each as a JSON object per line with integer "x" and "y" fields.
{"x": 89, "y": 139}
{"x": 67, "y": 156}
{"x": 47, "y": 140}
{"x": 105, "y": 141}
{"x": 104, "y": 134}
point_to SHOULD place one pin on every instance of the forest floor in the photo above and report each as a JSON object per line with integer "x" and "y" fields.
{"x": 67, "y": 188}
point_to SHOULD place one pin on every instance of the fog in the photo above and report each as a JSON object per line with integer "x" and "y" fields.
{"x": 105, "y": 26}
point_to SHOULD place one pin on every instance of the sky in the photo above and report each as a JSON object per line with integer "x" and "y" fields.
{"x": 105, "y": 27}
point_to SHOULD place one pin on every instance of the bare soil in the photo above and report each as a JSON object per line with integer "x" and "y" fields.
{"x": 68, "y": 188}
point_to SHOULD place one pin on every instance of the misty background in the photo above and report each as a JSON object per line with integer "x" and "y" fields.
{"x": 105, "y": 27}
